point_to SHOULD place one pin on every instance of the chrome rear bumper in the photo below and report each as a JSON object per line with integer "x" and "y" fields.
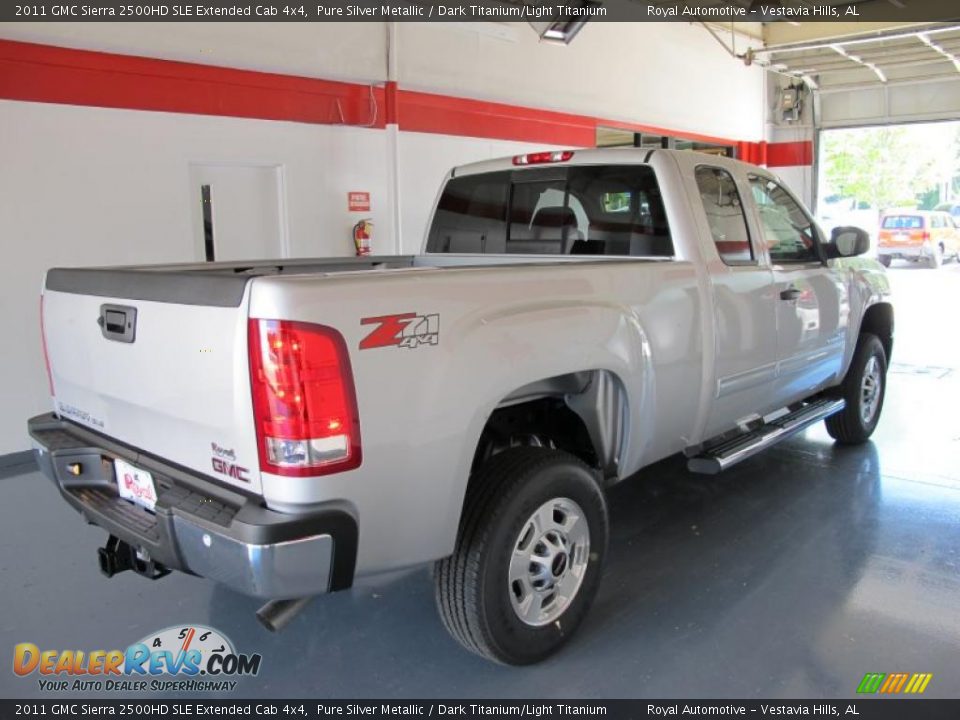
{"x": 198, "y": 526}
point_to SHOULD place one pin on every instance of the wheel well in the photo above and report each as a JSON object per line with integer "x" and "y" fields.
{"x": 878, "y": 320}
{"x": 582, "y": 413}
{"x": 546, "y": 422}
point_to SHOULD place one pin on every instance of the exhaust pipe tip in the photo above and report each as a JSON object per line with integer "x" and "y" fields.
{"x": 105, "y": 561}
{"x": 277, "y": 614}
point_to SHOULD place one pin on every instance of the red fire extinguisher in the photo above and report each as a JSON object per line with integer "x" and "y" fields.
{"x": 362, "y": 232}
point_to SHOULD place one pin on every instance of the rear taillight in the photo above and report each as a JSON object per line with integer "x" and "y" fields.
{"x": 925, "y": 235}
{"x": 46, "y": 355}
{"x": 304, "y": 402}
{"x": 540, "y": 158}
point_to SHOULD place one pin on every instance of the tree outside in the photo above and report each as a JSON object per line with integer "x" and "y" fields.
{"x": 878, "y": 168}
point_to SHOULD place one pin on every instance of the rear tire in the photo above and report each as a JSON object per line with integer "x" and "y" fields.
{"x": 863, "y": 388}
{"x": 532, "y": 541}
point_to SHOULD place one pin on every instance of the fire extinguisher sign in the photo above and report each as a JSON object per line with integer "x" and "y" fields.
{"x": 358, "y": 201}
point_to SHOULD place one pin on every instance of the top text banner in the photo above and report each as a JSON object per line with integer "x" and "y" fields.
{"x": 482, "y": 11}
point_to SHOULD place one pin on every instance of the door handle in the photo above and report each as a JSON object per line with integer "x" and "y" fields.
{"x": 790, "y": 294}
{"x": 118, "y": 322}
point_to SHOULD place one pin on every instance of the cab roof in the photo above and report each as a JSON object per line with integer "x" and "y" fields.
{"x": 603, "y": 156}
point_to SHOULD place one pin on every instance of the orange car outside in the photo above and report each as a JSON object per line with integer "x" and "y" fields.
{"x": 918, "y": 236}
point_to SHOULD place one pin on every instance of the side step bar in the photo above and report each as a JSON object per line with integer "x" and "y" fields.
{"x": 715, "y": 458}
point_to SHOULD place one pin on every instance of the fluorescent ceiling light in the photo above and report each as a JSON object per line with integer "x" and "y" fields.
{"x": 564, "y": 27}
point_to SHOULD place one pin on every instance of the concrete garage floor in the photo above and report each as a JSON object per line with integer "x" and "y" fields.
{"x": 792, "y": 575}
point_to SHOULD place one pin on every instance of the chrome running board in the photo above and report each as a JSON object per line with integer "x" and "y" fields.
{"x": 715, "y": 458}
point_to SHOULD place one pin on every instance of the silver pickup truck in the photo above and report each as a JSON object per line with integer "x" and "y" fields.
{"x": 282, "y": 427}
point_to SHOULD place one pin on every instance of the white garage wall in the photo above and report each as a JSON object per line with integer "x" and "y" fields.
{"x": 335, "y": 51}
{"x": 93, "y": 186}
{"x": 801, "y": 179}
{"x": 673, "y": 75}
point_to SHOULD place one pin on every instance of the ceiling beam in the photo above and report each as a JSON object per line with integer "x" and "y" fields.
{"x": 925, "y": 39}
{"x": 876, "y": 71}
{"x": 782, "y": 33}
{"x": 902, "y": 31}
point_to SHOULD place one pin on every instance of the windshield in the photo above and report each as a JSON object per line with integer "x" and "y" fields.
{"x": 571, "y": 210}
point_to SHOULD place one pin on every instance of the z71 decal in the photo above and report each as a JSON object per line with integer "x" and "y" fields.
{"x": 406, "y": 330}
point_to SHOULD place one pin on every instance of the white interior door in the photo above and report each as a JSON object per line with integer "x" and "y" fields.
{"x": 238, "y": 211}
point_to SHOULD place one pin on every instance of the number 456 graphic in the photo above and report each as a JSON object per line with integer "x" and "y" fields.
{"x": 406, "y": 330}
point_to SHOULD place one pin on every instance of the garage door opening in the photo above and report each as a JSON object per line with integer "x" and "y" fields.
{"x": 901, "y": 183}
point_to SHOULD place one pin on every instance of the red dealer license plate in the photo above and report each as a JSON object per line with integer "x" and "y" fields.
{"x": 135, "y": 484}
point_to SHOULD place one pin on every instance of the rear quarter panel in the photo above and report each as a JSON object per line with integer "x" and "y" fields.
{"x": 422, "y": 410}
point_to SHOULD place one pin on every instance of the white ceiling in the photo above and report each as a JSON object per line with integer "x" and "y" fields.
{"x": 903, "y": 54}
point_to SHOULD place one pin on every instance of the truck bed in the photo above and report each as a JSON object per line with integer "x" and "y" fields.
{"x": 222, "y": 284}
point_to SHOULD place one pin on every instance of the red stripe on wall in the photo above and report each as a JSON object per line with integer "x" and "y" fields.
{"x": 390, "y": 102}
{"x": 42, "y": 73}
{"x": 446, "y": 115}
{"x": 789, "y": 153}
{"x": 752, "y": 152}
{"x": 426, "y": 112}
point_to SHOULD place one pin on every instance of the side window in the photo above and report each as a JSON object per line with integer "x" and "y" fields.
{"x": 721, "y": 202}
{"x": 787, "y": 230}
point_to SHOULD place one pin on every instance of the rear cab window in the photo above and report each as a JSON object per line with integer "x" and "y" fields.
{"x": 612, "y": 210}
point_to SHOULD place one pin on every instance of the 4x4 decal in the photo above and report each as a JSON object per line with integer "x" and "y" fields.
{"x": 406, "y": 330}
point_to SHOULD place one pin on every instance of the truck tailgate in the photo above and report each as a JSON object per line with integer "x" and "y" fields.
{"x": 158, "y": 361}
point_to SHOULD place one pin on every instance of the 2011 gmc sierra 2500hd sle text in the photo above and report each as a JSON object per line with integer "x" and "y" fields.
{"x": 282, "y": 426}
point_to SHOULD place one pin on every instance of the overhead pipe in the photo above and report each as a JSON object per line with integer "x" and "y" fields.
{"x": 392, "y": 127}
{"x": 749, "y": 59}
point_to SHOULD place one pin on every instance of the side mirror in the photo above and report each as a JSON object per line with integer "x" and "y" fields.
{"x": 847, "y": 242}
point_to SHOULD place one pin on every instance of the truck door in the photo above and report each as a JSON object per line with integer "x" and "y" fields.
{"x": 744, "y": 305}
{"x": 812, "y": 302}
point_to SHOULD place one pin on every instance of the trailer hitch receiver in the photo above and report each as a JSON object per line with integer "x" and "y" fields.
{"x": 117, "y": 556}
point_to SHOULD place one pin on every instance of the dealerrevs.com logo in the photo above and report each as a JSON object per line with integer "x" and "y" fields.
{"x": 192, "y": 658}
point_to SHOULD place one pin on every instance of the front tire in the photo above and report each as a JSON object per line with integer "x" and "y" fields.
{"x": 936, "y": 260}
{"x": 863, "y": 388}
{"x": 527, "y": 564}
